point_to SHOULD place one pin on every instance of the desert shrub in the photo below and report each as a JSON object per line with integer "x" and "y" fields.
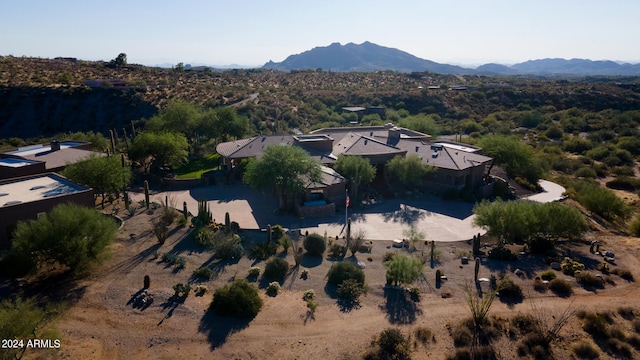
{"x": 622, "y": 171}
{"x": 502, "y": 253}
{"x": 560, "y": 287}
{"x": 634, "y": 340}
{"x": 393, "y": 344}
{"x": 239, "y": 299}
{"x": 263, "y": 251}
{"x": 509, "y": 289}
{"x": 424, "y": 335}
{"x": 636, "y": 326}
{"x": 344, "y": 270}
{"x": 388, "y": 256}
{"x": 461, "y": 335}
{"x": 181, "y": 262}
{"x": 538, "y": 285}
{"x": 273, "y": 288}
{"x": 204, "y": 236}
{"x": 585, "y": 349}
{"x": 585, "y": 172}
{"x": 200, "y": 290}
{"x": 315, "y": 244}
{"x": 587, "y": 279}
{"x": 350, "y": 290}
{"x": 623, "y": 273}
{"x": 277, "y": 232}
{"x": 276, "y": 269}
{"x": 627, "y": 312}
{"x": 526, "y": 323}
{"x": 570, "y": 266}
{"x": 548, "y": 275}
{"x": 169, "y": 258}
{"x": 534, "y": 344}
{"x": 254, "y": 271}
{"x": 304, "y": 274}
{"x": 595, "y": 323}
{"x": 181, "y": 289}
{"x": 203, "y": 273}
{"x": 336, "y": 251}
{"x": 603, "y": 267}
{"x": 634, "y": 226}
{"x": 227, "y": 246}
{"x": 619, "y": 347}
{"x": 285, "y": 242}
{"x": 624, "y": 183}
{"x": 309, "y": 295}
{"x": 540, "y": 245}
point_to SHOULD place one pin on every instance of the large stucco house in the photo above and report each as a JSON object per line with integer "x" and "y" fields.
{"x": 458, "y": 165}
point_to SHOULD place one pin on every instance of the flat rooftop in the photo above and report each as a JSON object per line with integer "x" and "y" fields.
{"x": 16, "y": 163}
{"x": 36, "y": 149}
{"x": 32, "y": 189}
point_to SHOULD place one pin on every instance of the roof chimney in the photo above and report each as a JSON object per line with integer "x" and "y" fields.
{"x": 55, "y": 145}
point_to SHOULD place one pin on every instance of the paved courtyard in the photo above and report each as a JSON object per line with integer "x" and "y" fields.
{"x": 440, "y": 220}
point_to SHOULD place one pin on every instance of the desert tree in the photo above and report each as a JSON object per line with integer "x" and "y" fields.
{"x": 103, "y": 174}
{"x": 159, "y": 149}
{"x": 284, "y": 170}
{"x": 409, "y": 170}
{"x": 70, "y": 235}
{"x": 516, "y": 157}
{"x": 414, "y": 235}
{"x": 402, "y": 269}
{"x": 357, "y": 240}
{"x": 357, "y": 169}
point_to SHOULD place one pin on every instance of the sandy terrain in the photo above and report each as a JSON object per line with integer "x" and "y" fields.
{"x": 103, "y": 324}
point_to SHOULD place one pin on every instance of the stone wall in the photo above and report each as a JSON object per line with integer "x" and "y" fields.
{"x": 316, "y": 211}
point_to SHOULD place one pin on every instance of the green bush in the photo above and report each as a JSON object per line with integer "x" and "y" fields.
{"x": 344, "y": 270}
{"x": 624, "y": 183}
{"x": 276, "y": 268}
{"x": 204, "y": 236}
{"x": 181, "y": 289}
{"x": 393, "y": 344}
{"x": 277, "y": 231}
{"x": 502, "y": 253}
{"x": 254, "y": 271}
{"x": 634, "y": 226}
{"x": 560, "y": 287}
{"x": 228, "y": 246}
{"x": 585, "y": 172}
{"x": 315, "y": 244}
{"x": 336, "y": 251}
{"x": 263, "y": 251}
{"x": 587, "y": 279}
{"x": 203, "y": 273}
{"x": 350, "y": 290}
{"x": 548, "y": 275}
{"x": 509, "y": 289}
{"x": 622, "y": 171}
{"x": 239, "y": 299}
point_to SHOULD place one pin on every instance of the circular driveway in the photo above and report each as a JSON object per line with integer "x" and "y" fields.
{"x": 440, "y": 220}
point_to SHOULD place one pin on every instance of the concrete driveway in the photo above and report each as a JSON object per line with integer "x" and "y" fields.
{"x": 442, "y": 221}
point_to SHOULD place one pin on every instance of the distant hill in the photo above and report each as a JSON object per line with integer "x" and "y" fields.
{"x": 363, "y": 57}
{"x": 371, "y": 57}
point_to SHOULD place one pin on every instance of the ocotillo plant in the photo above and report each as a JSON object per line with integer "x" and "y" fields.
{"x": 113, "y": 142}
{"x": 146, "y": 193}
{"x": 269, "y": 234}
{"x": 477, "y": 269}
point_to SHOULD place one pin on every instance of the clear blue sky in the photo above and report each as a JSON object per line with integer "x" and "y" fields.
{"x": 252, "y": 32}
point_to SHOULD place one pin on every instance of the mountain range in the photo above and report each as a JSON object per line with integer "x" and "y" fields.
{"x": 371, "y": 57}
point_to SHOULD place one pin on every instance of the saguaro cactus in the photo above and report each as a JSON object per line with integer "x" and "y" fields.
{"x": 146, "y": 194}
{"x": 438, "y": 278}
{"x": 477, "y": 269}
{"x": 185, "y": 213}
{"x": 147, "y": 282}
{"x": 269, "y": 234}
{"x": 227, "y": 221}
{"x": 476, "y": 245}
{"x": 113, "y": 142}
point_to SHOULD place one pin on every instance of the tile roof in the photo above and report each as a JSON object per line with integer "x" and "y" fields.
{"x": 357, "y": 144}
{"x": 60, "y": 158}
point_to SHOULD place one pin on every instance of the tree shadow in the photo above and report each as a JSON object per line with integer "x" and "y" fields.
{"x": 219, "y": 328}
{"x": 405, "y": 214}
{"x": 171, "y": 304}
{"x": 310, "y": 261}
{"x": 126, "y": 266}
{"x": 55, "y": 288}
{"x": 399, "y": 308}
